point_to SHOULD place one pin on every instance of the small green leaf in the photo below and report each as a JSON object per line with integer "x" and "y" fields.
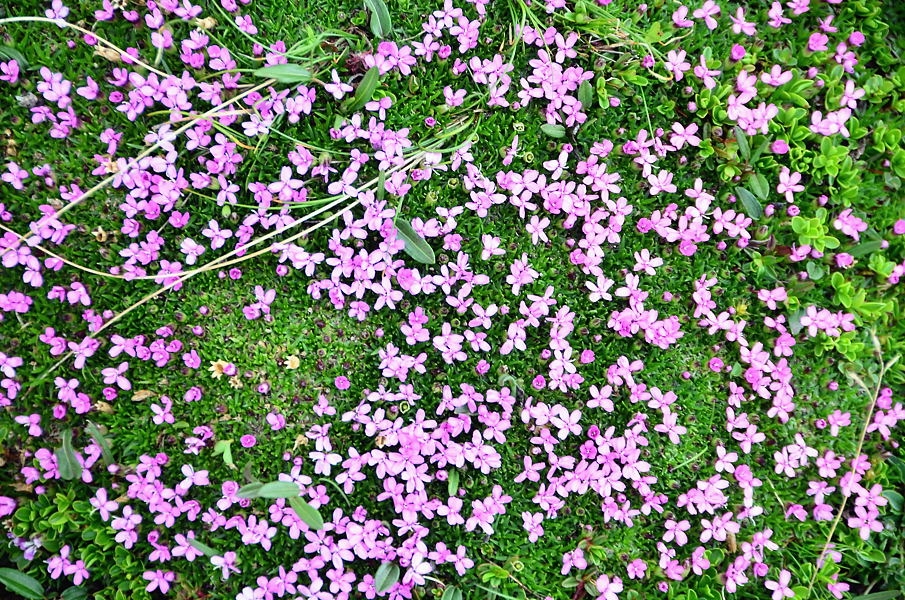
{"x": 759, "y": 186}
{"x": 223, "y": 447}
{"x": 203, "y": 548}
{"x": 873, "y": 555}
{"x": 715, "y": 556}
{"x": 451, "y": 593}
{"x": 279, "y": 489}
{"x": 866, "y": 248}
{"x": 274, "y": 489}
{"x": 250, "y": 491}
{"x": 74, "y": 593}
{"x": 415, "y": 245}
{"x": 452, "y": 483}
{"x": 758, "y": 151}
{"x": 381, "y": 24}
{"x": 743, "y": 147}
{"x": 885, "y": 595}
{"x": 386, "y": 577}
{"x": 365, "y": 90}
{"x": 586, "y": 95}
{"x": 67, "y": 462}
{"x": 815, "y": 271}
{"x": 896, "y": 500}
{"x": 555, "y": 131}
{"x": 19, "y": 583}
{"x": 750, "y": 203}
{"x": 800, "y": 591}
{"x": 653, "y": 35}
{"x": 307, "y": 513}
{"x": 95, "y": 432}
{"x": 10, "y": 53}
{"x": 287, "y": 73}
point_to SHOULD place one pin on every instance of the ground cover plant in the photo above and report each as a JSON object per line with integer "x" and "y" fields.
{"x": 462, "y": 299}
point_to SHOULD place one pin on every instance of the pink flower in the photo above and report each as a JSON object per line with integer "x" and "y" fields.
{"x": 789, "y": 184}
{"x": 159, "y": 580}
{"x": 337, "y": 88}
{"x": 781, "y": 588}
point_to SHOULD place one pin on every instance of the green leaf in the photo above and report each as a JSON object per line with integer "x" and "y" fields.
{"x": 386, "y": 577}
{"x": 555, "y": 131}
{"x": 815, "y": 271}
{"x": 415, "y": 245}
{"x": 759, "y": 186}
{"x": 896, "y": 501}
{"x": 750, "y": 203}
{"x": 873, "y": 555}
{"x": 250, "y": 491}
{"x": 586, "y": 95}
{"x": 273, "y": 489}
{"x": 654, "y": 33}
{"x": 10, "y": 53}
{"x": 287, "y": 73}
{"x": 307, "y": 513}
{"x": 452, "y": 483}
{"x": 21, "y": 584}
{"x": 95, "y": 432}
{"x": 743, "y": 147}
{"x": 800, "y": 591}
{"x": 74, "y": 593}
{"x": 715, "y": 556}
{"x": 365, "y": 90}
{"x": 451, "y": 593}
{"x": 67, "y": 463}
{"x": 202, "y": 547}
{"x": 223, "y": 447}
{"x": 381, "y": 24}
{"x": 885, "y": 595}
{"x": 866, "y": 248}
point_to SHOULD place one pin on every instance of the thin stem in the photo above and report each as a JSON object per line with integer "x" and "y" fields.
{"x": 875, "y": 394}
{"x": 148, "y": 151}
{"x": 63, "y": 23}
{"x": 65, "y": 260}
{"x": 179, "y": 281}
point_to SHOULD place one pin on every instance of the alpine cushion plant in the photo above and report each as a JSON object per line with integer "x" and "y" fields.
{"x": 551, "y": 299}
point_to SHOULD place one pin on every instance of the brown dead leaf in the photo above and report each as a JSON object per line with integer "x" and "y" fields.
{"x": 108, "y": 54}
{"x": 103, "y": 407}
{"x": 140, "y": 395}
